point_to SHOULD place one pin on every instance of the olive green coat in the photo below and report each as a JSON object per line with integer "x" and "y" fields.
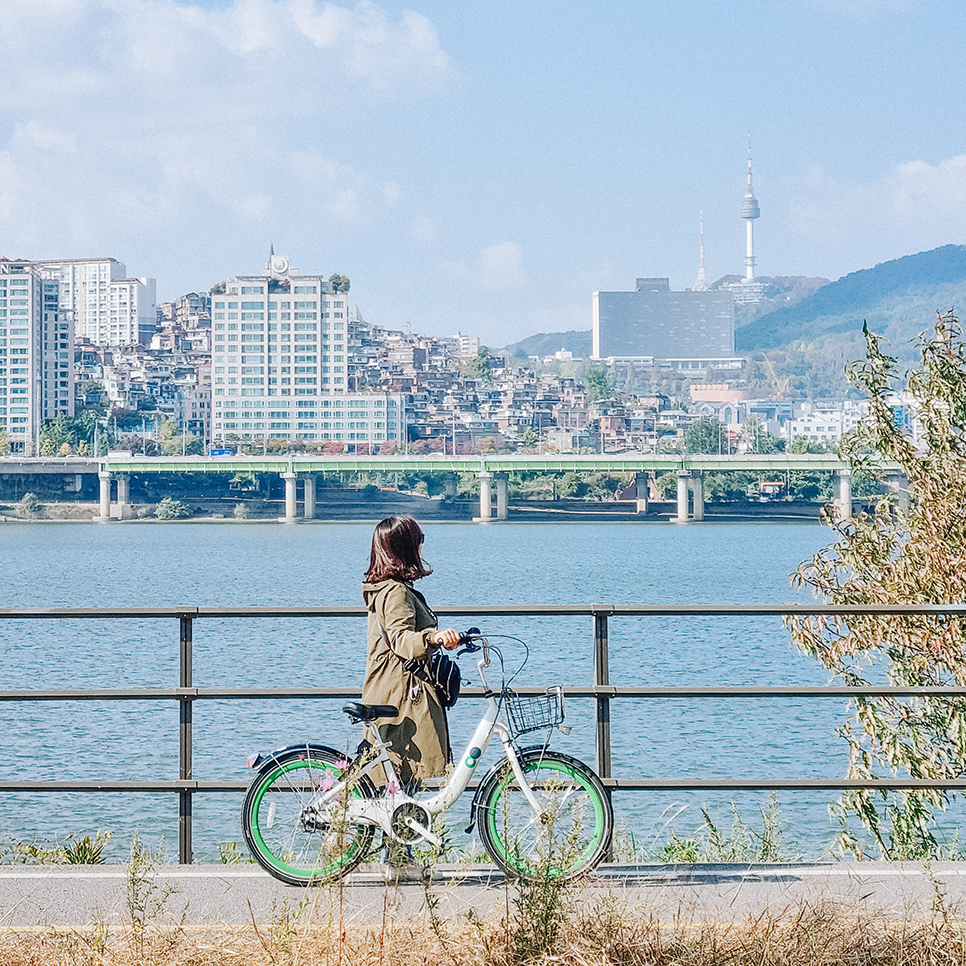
{"x": 419, "y": 736}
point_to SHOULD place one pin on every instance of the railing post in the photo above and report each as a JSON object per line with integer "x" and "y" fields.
{"x": 602, "y": 680}
{"x": 186, "y": 706}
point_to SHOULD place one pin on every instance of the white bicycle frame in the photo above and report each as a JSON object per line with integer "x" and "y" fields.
{"x": 379, "y": 811}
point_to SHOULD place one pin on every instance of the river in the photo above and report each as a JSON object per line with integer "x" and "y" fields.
{"x": 229, "y": 564}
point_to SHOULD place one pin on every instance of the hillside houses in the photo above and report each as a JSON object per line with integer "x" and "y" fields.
{"x": 456, "y": 400}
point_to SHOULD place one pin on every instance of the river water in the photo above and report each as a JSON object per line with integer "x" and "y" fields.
{"x": 233, "y": 564}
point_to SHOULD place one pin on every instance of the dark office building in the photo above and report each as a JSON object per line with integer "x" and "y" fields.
{"x": 654, "y": 322}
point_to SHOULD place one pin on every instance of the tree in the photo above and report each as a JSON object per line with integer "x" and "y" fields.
{"x": 173, "y": 444}
{"x": 4, "y": 443}
{"x": 666, "y": 485}
{"x": 57, "y": 432}
{"x": 706, "y": 435}
{"x": 595, "y": 382}
{"x": 890, "y": 556}
{"x": 29, "y": 506}
{"x": 480, "y": 366}
{"x": 171, "y": 509}
{"x": 757, "y": 437}
{"x": 339, "y": 283}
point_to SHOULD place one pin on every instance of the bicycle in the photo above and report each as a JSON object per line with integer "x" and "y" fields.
{"x": 310, "y": 813}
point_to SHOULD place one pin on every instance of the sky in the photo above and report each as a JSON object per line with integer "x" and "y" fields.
{"x": 480, "y": 166}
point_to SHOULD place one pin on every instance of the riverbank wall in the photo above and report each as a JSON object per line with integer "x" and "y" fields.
{"x": 345, "y": 505}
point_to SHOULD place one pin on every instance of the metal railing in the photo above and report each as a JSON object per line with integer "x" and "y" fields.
{"x": 601, "y": 691}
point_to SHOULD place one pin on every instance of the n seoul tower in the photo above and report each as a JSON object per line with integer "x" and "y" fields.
{"x": 750, "y": 211}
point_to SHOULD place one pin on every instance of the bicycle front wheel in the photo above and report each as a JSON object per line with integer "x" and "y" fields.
{"x": 288, "y": 839}
{"x": 567, "y": 838}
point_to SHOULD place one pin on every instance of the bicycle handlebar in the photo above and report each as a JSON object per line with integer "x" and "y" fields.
{"x": 468, "y": 641}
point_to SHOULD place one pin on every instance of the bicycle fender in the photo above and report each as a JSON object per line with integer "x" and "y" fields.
{"x": 265, "y": 759}
{"x": 491, "y": 776}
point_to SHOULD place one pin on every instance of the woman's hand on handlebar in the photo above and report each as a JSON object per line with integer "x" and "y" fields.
{"x": 448, "y": 638}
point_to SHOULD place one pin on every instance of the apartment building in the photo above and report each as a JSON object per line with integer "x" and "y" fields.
{"x": 36, "y": 354}
{"x": 280, "y": 364}
{"x": 826, "y": 420}
{"x": 109, "y": 309}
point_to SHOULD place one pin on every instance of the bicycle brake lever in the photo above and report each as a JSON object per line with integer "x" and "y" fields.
{"x": 467, "y": 644}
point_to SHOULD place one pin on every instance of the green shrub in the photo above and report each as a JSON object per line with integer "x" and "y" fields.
{"x": 171, "y": 509}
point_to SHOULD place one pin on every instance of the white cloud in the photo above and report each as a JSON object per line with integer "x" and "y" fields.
{"x": 498, "y": 268}
{"x": 337, "y": 189}
{"x": 915, "y": 206}
{"x": 181, "y": 114}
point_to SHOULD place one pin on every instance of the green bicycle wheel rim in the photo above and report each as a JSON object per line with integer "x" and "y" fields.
{"x": 262, "y": 845}
{"x": 599, "y": 821}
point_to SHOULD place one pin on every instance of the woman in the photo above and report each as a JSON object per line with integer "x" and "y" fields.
{"x": 403, "y": 628}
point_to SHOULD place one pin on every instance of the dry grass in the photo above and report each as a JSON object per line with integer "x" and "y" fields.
{"x": 601, "y": 934}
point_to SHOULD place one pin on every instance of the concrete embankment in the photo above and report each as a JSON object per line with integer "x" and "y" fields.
{"x": 348, "y": 505}
{"x": 236, "y": 895}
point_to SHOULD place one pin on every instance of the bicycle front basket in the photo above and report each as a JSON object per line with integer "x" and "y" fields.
{"x": 534, "y": 712}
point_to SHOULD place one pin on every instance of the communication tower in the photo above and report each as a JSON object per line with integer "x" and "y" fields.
{"x": 750, "y": 211}
{"x": 701, "y": 285}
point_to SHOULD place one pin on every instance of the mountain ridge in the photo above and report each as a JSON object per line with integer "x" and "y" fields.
{"x": 841, "y": 306}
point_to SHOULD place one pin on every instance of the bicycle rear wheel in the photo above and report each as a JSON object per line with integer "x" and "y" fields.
{"x": 570, "y": 836}
{"x": 288, "y": 840}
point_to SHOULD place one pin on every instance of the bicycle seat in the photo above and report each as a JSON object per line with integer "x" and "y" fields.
{"x": 369, "y": 712}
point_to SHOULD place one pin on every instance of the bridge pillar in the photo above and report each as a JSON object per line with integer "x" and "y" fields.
{"x": 309, "y": 481}
{"x": 290, "y": 505}
{"x": 684, "y": 478}
{"x": 124, "y": 511}
{"x": 449, "y": 481}
{"x": 642, "y": 480}
{"x": 501, "y": 505}
{"x": 105, "y": 510}
{"x": 899, "y": 485}
{"x": 842, "y": 495}
{"x": 697, "y": 493}
{"x": 486, "y": 499}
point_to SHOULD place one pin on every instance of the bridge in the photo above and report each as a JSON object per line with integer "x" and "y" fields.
{"x": 114, "y": 472}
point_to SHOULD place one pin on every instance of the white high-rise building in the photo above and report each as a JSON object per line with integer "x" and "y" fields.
{"x": 280, "y": 364}
{"x": 36, "y": 354}
{"x": 109, "y": 308}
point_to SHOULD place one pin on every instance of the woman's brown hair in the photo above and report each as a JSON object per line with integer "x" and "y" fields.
{"x": 396, "y": 542}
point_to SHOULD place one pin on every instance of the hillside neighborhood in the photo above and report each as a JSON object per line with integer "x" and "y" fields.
{"x": 155, "y": 385}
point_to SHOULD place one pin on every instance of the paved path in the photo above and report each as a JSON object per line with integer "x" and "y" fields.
{"x": 45, "y": 896}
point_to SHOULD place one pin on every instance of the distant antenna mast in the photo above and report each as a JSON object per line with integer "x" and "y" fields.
{"x": 701, "y": 285}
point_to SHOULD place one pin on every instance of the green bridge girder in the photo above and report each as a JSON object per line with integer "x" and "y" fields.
{"x": 435, "y": 463}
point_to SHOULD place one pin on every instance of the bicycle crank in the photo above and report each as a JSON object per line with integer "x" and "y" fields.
{"x": 410, "y": 821}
